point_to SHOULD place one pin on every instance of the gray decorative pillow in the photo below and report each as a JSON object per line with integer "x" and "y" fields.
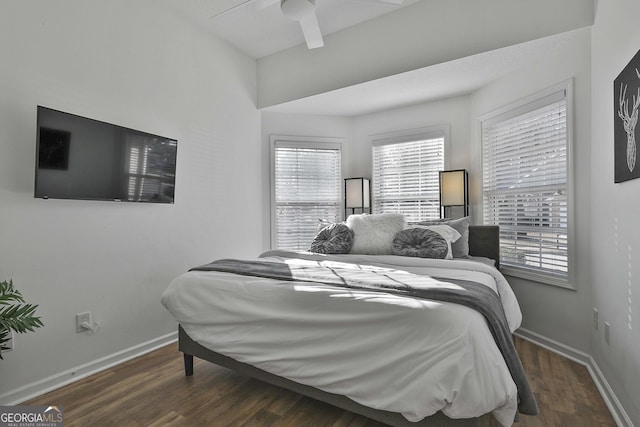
{"x": 420, "y": 242}
{"x": 460, "y": 247}
{"x": 333, "y": 239}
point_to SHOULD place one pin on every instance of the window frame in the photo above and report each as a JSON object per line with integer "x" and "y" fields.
{"x": 310, "y": 142}
{"x": 409, "y": 135}
{"x": 520, "y": 107}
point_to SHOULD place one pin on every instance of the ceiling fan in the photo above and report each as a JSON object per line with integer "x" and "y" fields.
{"x": 301, "y": 11}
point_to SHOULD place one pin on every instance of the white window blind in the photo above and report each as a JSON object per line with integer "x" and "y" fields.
{"x": 405, "y": 177}
{"x": 525, "y": 186}
{"x": 307, "y": 184}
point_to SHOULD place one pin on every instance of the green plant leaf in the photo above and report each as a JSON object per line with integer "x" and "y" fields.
{"x": 4, "y": 338}
{"x": 9, "y": 294}
{"x": 15, "y": 314}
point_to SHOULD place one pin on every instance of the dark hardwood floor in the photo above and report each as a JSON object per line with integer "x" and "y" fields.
{"x": 153, "y": 391}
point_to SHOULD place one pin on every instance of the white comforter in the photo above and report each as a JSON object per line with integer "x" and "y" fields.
{"x": 384, "y": 351}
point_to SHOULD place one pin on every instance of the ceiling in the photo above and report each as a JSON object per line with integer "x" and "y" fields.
{"x": 261, "y": 31}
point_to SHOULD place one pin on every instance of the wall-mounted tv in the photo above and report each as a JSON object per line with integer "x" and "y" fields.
{"x": 82, "y": 158}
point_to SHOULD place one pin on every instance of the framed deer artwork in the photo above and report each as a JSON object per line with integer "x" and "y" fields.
{"x": 626, "y": 89}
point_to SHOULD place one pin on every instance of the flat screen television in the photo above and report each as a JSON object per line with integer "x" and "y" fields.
{"x": 86, "y": 159}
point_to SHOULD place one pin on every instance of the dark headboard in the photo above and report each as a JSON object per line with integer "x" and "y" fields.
{"x": 484, "y": 240}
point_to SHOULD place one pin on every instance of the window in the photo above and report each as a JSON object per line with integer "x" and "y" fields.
{"x": 526, "y": 186}
{"x": 306, "y": 182}
{"x": 405, "y": 174}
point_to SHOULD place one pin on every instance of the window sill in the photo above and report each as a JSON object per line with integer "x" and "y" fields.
{"x": 537, "y": 277}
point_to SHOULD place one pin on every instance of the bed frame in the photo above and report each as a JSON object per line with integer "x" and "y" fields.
{"x": 483, "y": 241}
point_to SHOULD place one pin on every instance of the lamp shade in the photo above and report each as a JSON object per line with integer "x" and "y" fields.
{"x": 357, "y": 195}
{"x": 454, "y": 189}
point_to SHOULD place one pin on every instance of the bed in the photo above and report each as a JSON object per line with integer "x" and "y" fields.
{"x": 438, "y": 364}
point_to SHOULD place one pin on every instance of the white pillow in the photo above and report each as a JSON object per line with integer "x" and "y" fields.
{"x": 374, "y": 234}
{"x": 449, "y": 234}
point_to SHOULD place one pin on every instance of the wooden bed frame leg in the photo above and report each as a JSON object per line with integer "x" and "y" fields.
{"x": 188, "y": 364}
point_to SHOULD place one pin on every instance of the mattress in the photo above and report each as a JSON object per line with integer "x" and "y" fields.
{"x": 385, "y": 351}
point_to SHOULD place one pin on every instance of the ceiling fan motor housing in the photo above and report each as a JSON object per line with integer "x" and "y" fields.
{"x": 297, "y": 9}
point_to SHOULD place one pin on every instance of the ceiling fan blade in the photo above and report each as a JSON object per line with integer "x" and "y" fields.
{"x": 311, "y": 31}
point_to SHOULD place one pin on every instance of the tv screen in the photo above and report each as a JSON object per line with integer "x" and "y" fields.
{"x": 82, "y": 158}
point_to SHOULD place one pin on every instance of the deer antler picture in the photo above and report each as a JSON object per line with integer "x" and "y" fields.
{"x": 629, "y": 122}
{"x": 626, "y": 109}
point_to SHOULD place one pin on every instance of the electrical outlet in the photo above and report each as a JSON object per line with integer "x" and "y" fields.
{"x": 607, "y": 327}
{"x": 595, "y": 318}
{"x": 83, "y": 318}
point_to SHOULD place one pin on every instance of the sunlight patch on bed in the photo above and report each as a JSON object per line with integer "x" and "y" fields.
{"x": 353, "y": 275}
{"x": 368, "y": 296}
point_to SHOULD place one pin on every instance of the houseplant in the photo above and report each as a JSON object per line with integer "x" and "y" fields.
{"x": 15, "y": 314}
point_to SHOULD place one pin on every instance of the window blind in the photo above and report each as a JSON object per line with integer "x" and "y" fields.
{"x": 525, "y": 185}
{"x": 405, "y": 178}
{"x": 307, "y": 188}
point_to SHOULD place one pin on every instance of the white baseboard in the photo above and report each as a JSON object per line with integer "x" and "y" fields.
{"x": 615, "y": 407}
{"x": 37, "y": 388}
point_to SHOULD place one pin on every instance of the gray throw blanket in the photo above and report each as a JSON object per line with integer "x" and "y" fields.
{"x": 470, "y": 294}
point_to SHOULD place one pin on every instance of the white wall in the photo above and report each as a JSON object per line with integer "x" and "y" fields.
{"x": 133, "y": 64}
{"x": 558, "y": 314}
{"x": 615, "y": 250}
